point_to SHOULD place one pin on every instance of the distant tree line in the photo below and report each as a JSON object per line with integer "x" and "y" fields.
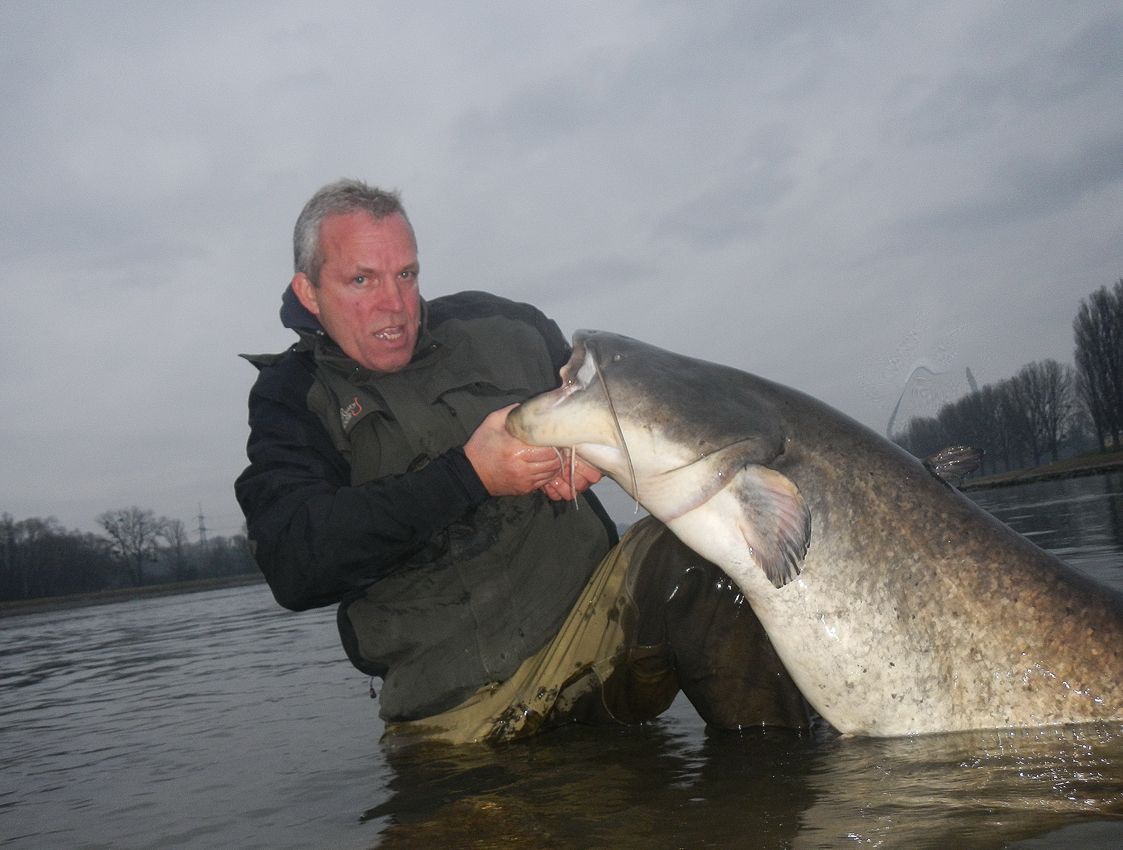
{"x": 1047, "y": 406}
{"x": 1018, "y": 422}
{"x": 40, "y": 558}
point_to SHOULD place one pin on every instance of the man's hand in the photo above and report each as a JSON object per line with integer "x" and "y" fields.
{"x": 561, "y": 488}
{"x": 506, "y": 466}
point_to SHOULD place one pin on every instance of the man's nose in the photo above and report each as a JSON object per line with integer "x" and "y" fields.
{"x": 390, "y": 297}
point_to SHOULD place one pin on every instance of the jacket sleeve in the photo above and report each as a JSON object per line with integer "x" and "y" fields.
{"x": 315, "y": 537}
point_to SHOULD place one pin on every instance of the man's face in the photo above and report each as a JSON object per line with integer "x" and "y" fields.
{"x": 367, "y": 300}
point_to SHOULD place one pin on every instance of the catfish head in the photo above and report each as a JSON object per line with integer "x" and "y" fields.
{"x": 579, "y": 414}
{"x": 673, "y": 432}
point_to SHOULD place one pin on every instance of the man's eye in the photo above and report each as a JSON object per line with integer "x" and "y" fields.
{"x": 360, "y": 280}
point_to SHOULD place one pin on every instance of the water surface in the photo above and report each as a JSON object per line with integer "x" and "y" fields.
{"x": 219, "y": 720}
{"x": 1080, "y": 520}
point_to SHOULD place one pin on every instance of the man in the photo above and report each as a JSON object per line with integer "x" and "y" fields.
{"x": 474, "y": 573}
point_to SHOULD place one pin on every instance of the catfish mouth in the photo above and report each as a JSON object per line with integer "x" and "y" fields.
{"x": 576, "y": 376}
{"x": 570, "y": 371}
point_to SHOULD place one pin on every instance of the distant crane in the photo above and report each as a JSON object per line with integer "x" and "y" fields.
{"x": 971, "y": 381}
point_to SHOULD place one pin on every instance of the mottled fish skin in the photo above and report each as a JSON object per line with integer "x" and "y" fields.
{"x": 898, "y": 606}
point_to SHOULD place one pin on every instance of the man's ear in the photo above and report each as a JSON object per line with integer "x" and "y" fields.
{"x": 306, "y": 292}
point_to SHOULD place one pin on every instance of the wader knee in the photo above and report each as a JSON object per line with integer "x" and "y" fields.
{"x": 722, "y": 658}
{"x": 642, "y": 684}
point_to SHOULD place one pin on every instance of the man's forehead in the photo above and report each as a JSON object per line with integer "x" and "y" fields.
{"x": 352, "y": 234}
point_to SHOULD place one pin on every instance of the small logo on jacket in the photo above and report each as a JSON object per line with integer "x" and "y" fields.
{"x": 350, "y": 411}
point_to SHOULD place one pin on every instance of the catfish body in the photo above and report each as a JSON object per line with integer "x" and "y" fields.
{"x": 897, "y": 605}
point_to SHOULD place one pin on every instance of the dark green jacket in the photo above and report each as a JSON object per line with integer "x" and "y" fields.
{"x": 358, "y": 491}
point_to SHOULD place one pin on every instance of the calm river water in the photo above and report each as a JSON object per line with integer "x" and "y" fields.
{"x": 219, "y": 720}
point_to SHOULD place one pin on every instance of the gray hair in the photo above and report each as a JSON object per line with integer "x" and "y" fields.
{"x": 338, "y": 198}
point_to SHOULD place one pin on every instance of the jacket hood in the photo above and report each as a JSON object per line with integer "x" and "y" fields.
{"x": 296, "y": 316}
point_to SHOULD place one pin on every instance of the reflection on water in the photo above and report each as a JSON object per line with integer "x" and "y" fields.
{"x": 218, "y": 720}
{"x": 665, "y": 786}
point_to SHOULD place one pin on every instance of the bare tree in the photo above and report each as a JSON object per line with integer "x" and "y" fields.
{"x": 922, "y": 436}
{"x": 175, "y": 535}
{"x": 133, "y": 534}
{"x": 1002, "y": 419}
{"x": 1098, "y": 332}
{"x": 1045, "y": 392}
{"x": 13, "y": 580}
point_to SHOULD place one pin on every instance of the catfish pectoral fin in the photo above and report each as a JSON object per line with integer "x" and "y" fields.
{"x": 775, "y": 522}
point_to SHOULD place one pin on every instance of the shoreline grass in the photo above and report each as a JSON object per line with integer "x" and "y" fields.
{"x": 1090, "y": 463}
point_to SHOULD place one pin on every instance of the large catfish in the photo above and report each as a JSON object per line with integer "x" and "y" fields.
{"x": 897, "y": 605}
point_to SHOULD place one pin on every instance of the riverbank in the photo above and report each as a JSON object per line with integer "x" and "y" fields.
{"x": 123, "y": 594}
{"x": 1090, "y": 463}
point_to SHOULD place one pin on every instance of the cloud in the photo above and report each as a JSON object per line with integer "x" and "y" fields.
{"x": 736, "y": 205}
{"x": 776, "y": 186}
{"x": 1046, "y": 72}
{"x": 1031, "y": 187}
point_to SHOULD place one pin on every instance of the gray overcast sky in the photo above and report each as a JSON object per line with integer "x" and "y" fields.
{"x": 827, "y": 194}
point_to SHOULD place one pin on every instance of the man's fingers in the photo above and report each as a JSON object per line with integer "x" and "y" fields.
{"x": 507, "y": 466}
{"x": 539, "y": 455}
{"x": 558, "y": 490}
